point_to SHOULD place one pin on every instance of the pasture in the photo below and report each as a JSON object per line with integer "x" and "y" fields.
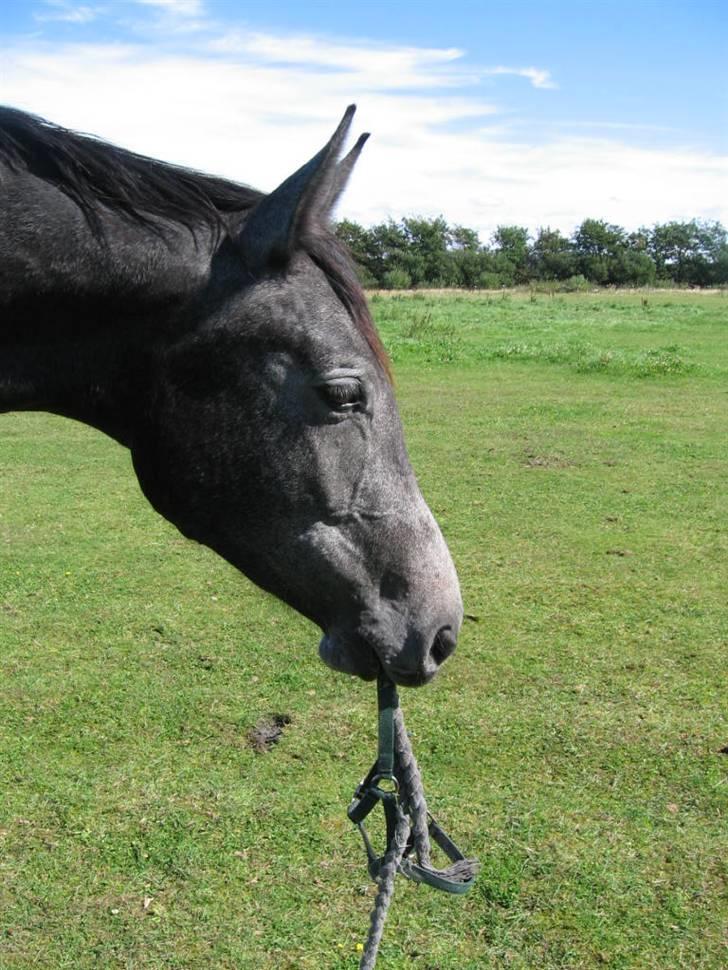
{"x": 574, "y": 450}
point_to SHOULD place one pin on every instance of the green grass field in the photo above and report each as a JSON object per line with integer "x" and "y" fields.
{"x": 575, "y": 451}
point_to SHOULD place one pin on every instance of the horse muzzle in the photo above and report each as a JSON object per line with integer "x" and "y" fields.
{"x": 410, "y": 659}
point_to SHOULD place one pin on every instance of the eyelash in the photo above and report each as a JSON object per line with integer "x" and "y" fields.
{"x": 342, "y": 396}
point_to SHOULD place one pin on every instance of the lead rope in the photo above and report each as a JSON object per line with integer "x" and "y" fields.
{"x": 385, "y": 892}
{"x": 409, "y": 824}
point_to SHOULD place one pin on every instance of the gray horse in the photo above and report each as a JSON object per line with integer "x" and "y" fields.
{"x": 220, "y": 334}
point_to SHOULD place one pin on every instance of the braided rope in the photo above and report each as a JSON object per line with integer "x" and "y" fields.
{"x": 412, "y": 791}
{"x": 411, "y": 815}
{"x": 412, "y": 795}
{"x": 385, "y": 892}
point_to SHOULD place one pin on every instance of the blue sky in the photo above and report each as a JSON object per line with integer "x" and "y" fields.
{"x": 533, "y": 113}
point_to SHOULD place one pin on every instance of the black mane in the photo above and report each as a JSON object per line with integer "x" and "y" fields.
{"x": 96, "y": 174}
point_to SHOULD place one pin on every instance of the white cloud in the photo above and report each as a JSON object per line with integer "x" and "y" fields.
{"x": 65, "y": 12}
{"x": 306, "y": 49}
{"x": 258, "y": 106}
{"x": 537, "y": 76}
{"x": 177, "y": 8}
{"x": 365, "y": 64}
{"x": 166, "y": 21}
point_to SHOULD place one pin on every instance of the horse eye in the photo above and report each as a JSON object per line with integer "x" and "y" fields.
{"x": 342, "y": 395}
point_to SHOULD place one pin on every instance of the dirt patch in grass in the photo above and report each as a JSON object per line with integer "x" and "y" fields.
{"x": 547, "y": 461}
{"x": 268, "y": 731}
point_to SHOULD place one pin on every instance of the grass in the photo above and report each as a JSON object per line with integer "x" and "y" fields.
{"x": 625, "y": 333}
{"x": 574, "y": 450}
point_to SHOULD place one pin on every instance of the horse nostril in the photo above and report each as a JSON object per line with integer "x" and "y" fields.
{"x": 443, "y": 644}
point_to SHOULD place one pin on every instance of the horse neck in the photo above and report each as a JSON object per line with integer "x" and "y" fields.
{"x": 82, "y": 313}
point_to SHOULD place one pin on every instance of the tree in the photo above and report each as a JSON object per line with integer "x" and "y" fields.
{"x": 422, "y": 251}
{"x": 552, "y": 256}
{"x": 360, "y": 244}
{"x": 467, "y": 255}
{"x": 601, "y": 251}
{"x": 671, "y": 245}
{"x": 389, "y": 249}
{"x": 713, "y": 240}
{"x": 429, "y": 260}
{"x": 510, "y": 254}
{"x": 462, "y": 239}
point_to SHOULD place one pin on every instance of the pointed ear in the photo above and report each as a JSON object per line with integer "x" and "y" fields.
{"x": 340, "y": 176}
{"x": 269, "y": 235}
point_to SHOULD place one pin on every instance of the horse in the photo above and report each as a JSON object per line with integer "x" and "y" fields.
{"x": 221, "y": 335}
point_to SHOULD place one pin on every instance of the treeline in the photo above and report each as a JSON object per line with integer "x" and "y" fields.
{"x": 417, "y": 252}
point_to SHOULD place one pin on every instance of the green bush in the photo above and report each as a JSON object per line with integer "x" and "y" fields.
{"x": 397, "y": 279}
{"x": 575, "y": 284}
{"x": 490, "y": 281}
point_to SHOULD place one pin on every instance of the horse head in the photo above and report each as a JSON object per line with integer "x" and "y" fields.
{"x": 273, "y": 437}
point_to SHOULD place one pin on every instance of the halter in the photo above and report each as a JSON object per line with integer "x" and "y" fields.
{"x": 394, "y": 781}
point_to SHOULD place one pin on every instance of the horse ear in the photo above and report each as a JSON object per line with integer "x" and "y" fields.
{"x": 270, "y": 233}
{"x": 340, "y": 177}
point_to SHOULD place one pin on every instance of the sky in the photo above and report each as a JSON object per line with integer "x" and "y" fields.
{"x": 489, "y": 113}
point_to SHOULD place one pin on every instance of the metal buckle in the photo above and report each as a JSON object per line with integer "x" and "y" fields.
{"x": 390, "y": 779}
